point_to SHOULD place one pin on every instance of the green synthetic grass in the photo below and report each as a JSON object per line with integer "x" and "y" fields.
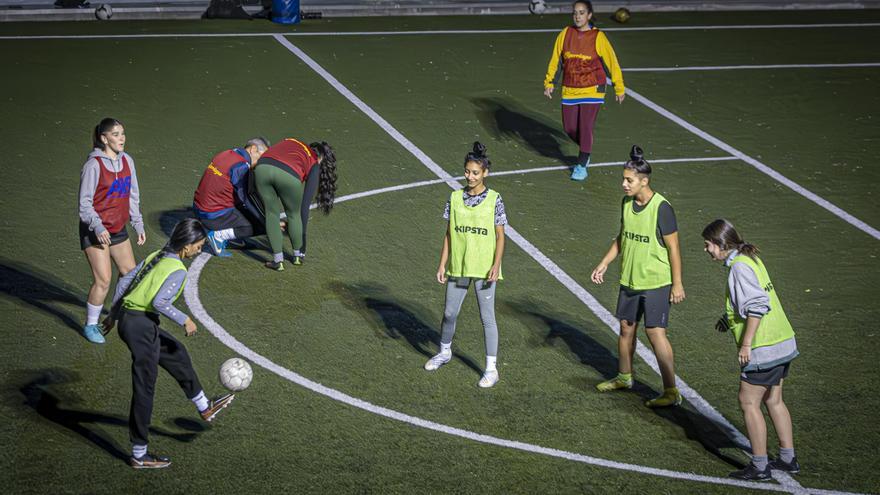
{"x": 362, "y": 315}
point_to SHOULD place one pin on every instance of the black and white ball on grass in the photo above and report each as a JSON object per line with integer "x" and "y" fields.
{"x": 236, "y": 374}
{"x": 622, "y": 15}
{"x": 104, "y": 12}
{"x": 537, "y": 7}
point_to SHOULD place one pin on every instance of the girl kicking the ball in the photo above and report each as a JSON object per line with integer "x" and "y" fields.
{"x": 587, "y": 63}
{"x": 472, "y": 249}
{"x": 766, "y": 343}
{"x": 141, "y": 296}
{"x": 650, "y": 276}
{"x": 108, "y": 199}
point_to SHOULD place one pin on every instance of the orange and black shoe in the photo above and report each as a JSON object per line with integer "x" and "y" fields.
{"x": 215, "y": 406}
{"x": 149, "y": 461}
{"x": 278, "y": 267}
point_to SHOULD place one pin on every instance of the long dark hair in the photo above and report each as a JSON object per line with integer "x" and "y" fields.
{"x": 327, "y": 178}
{"x": 106, "y": 124}
{"x": 187, "y": 231}
{"x": 722, "y": 233}
{"x": 478, "y": 155}
{"x": 637, "y": 162}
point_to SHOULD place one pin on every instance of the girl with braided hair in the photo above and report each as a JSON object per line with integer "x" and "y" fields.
{"x": 472, "y": 249}
{"x": 766, "y": 347}
{"x": 287, "y": 176}
{"x": 141, "y": 296}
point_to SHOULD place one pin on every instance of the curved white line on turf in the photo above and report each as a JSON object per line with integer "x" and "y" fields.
{"x": 191, "y": 294}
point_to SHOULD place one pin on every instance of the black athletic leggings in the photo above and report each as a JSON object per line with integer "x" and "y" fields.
{"x": 152, "y": 347}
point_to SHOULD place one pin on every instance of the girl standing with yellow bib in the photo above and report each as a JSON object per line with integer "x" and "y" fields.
{"x": 472, "y": 249}
{"x": 650, "y": 276}
{"x": 766, "y": 344}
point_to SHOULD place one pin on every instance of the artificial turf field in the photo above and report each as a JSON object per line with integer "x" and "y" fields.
{"x": 362, "y": 315}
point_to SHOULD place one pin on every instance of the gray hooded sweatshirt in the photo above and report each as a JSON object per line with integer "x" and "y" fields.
{"x": 88, "y": 182}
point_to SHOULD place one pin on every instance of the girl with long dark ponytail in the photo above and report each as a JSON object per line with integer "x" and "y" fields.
{"x": 141, "y": 296}
{"x": 766, "y": 346}
{"x": 288, "y": 176}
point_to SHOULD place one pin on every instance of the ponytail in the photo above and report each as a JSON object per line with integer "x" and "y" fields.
{"x": 327, "y": 177}
{"x": 106, "y": 124}
{"x": 723, "y": 234}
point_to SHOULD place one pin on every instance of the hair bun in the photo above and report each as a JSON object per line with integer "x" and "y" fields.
{"x": 636, "y": 153}
{"x": 479, "y": 149}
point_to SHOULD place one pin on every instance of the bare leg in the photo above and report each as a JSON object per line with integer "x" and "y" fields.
{"x": 663, "y": 351}
{"x": 123, "y": 256}
{"x": 626, "y": 345}
{"x": 780, "y": 416}
{"x": 750, "y": 397}
{"x": 99, "y": 261}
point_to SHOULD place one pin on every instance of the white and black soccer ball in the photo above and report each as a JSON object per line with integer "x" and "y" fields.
{"x": 537, "y": 6}
{"x": 104, "y": 12}
{"x": 236, "y": 374}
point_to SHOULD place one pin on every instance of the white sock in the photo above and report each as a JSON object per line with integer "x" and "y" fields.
{"x": 445, "y": 348}
{"x": 278, "y": 257}
{"x": 200, "y": 401}
{"x": 138, "y": 451}
{"x": 224, "y": 235}
{"x": 490, "y": 363}
{"x": 93, "y": 313}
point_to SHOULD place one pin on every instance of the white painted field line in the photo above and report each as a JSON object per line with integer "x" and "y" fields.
{"x": 422, "y": 183}
{"x": 794, "y": 186}
{"x": 191, "y": 295}
{"x": 438, "y": 32}
{"x": 689, "y": 393}
{"x": 752, "y": 67}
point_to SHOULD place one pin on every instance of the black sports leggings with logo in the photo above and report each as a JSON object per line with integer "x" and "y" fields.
{"x": 152, "y": 347}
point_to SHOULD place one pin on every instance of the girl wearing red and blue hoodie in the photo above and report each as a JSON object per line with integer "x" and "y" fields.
{"x": 108, "y": 199}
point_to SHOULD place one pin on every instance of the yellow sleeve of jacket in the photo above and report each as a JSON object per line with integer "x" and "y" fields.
{"x": 553, "y": 66}
{"x": 606, "y": 51}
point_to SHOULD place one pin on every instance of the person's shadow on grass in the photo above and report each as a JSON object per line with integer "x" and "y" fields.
{"x": 591, "y": 353}
{"x": 396, "y": 321}
{"x": 504, "y": 117}
{"x": 40, "y": 290}
{"x": 85, "y": 423}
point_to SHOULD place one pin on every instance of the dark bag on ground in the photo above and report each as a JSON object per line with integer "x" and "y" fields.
{"x": 226, "y": 9}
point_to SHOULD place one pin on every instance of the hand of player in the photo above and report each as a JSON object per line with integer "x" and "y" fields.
{"x": 620, "y": 98}
{"x": 441, "y": 275}
{"x": 677, "y": 294}
{"x": 548, "y": 92}
{"x": 142, "y": 238}
{"x": 745, "y": 353}
{"x": 493, "y": 273}
{"x": 283, "y": 226}
{"x": 190, "y": 327}
{"x": 104, "y": 238}
{"x": 723, "y": 324}
{"x": 108, "y": 324}
{"x": 598, "y": 275}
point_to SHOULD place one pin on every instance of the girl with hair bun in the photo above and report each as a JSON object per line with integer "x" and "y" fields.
{"x": 766, "y": 343}
{"x": 109, "y": 198}
{"x": 287, "y": 176}
{"x": 650, "y": 276}
{"x": 472, "y": 249}
{"x": 141, "y": 296}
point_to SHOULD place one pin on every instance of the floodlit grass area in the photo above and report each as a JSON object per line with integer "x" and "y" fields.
{"x": 363, "y": 313}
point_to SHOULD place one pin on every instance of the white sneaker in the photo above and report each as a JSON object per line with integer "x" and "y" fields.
{"x": 438, "y": 361}
{"x": 490, "y": 378}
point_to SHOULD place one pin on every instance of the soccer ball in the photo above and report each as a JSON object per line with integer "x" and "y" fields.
{"x": 104, "y": 12}
{"x": 236, "y": 374}
{"x": 622, "y": 15}
{"x": 537, "y": 6}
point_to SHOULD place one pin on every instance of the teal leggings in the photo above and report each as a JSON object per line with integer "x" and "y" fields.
{"x": 278, "y": 189}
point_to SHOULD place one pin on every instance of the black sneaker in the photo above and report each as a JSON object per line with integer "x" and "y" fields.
{"x": 752, "y": 473}
{"x": 789, "y": 467}
{"x": 149, "y": 461}
{"x": 278, "y": 267}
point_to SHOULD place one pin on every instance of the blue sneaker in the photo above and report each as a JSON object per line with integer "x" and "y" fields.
{"x": 93, "y": 334}
{"x": 217, "y": 246}
{"x": 579, "y": 172}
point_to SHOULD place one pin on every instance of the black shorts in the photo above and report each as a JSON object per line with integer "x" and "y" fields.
{"x": 236, "y": 218}
{"x": 653, "y": 304}
{"x": 89, "y": 238}
{"x": 766, "y": 378}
